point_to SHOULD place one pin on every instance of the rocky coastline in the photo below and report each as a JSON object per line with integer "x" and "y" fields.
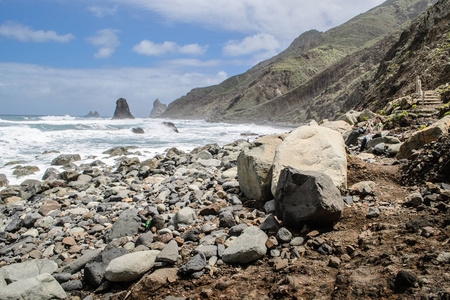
{"x": 183, "y": 225}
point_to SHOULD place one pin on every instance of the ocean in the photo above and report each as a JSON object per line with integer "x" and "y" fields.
{"x": 37, "y": 140}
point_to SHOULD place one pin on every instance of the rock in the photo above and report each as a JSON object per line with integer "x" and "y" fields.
{"x": 158, "y": 109}
{"x": 270, "y": 225}
{"x": 307, "y": 197}
{"x": 126, "y": 225}
{"x": 340, "y": 126}
{"x": 79, "y": 263}
{"x": 351, "y": 137}
{"x": 254, "y": 167}
{"x": 249, "y": 246}
{"x": 226, "y": 219}
{"x": 171, "y": 126}
{"x": 373, "y": 213}
{"x": 328, "y": 156}
{"x": 393, "y": 149}
{"x": 284, "y": 235}
{"x": 389, "y": 140}
{"x": 366, "y": 115}
{"x": 144, "y": 239}
{"x": 334, "y": 262}
{"x": 130, "y": 266}
{"x": 169, "y": 253}
{"x": 362, "y": 188}
{"x": 3, "y": 180}
{"x": 422, "y": 137}
{"x": 118, "y": 151}
{"x": 237, "y": 229}
{"x": 297, "y": 241}
{"x": 27, "y": 269}
{"x": 414, "y": 199}
{"x": 94, "y": 271}
{"x": 208, "y": 250}
{"x": 145, "y": 288}
{"x": 185, "y": 217}
{"x": 65, "y": 159}
{"x": 72, "y": 285}
{"x": 48, "y": 206}
{"x": 269, "y": 206}
{"x": 137, "y": 130}
{"x": 41, "y": 287}
{"x": 404, "y": 280}
{"x": 20, "y": 171}
{"x": 351, "y": 117}
{"x": 92, "y": 114}
{"x": 122, "y": 110}
{"x": 195, "y": 264}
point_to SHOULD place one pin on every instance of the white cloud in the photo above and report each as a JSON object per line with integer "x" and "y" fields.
{"x": 285, "y": 19}
{"x": 150, "y": 48}
{"x": 252, "y": 44}
{"x": 106, "y": 40}
{"x": 77, "y": 91}
{"x": 193, "y": 49}
{"x": 102, "y": 11}
{"x": 190, "y": 62}
{"x": 24, "y": 33}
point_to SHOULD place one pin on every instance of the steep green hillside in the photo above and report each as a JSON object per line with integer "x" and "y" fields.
{"x": 303, "y": 81}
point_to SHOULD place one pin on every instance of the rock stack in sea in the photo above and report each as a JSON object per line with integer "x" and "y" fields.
{"x": 158, "y": 109}
{"x": 122, "y": 110}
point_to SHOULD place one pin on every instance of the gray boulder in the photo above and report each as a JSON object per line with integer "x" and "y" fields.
{"x": 130, "y": 266}
{"x": 169, "y": 253}
{"x": 422, "y": 137}
{"x": 248, "y": 247}
{"x": 185, "y": 217}
{"x": 307, "y": 197}
{"x": 41, "y": 287}
{"x": 65, "y": 159}
{"x": 125, "y": 225}
{"x": 254, "y": 167}
{"x": 27, "y": 269}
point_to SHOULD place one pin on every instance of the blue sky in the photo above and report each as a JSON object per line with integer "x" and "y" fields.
{"x": 62, "y": 57}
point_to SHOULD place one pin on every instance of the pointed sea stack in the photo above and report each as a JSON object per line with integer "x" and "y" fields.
{"x": 158, "y": 109}
{"x": 122, "y": 110}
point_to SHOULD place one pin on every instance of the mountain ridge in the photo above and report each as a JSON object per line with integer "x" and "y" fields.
{"x": 255, "y": 94}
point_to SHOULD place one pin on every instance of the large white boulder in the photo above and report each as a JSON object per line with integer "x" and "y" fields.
{"x": 312, "y": 148}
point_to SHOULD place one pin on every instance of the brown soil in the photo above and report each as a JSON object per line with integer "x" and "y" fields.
{"x": 372, "y": 252}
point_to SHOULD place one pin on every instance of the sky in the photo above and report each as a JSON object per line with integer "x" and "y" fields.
{"x": 68, "y": 57}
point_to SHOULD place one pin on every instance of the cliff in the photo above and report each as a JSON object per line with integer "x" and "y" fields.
{"x": 315, "y": 77}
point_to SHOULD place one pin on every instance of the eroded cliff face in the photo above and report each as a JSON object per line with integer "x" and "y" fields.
{"x": 318, "y": 76}
{"x": 422, "y": 50}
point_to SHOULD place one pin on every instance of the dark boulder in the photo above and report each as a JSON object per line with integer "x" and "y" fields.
{"x": 171, "y": 125}
{"x": 307, "y": 197}
{"x": 137, "y": 130}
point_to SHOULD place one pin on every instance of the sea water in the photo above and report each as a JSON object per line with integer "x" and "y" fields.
{"x": 37, "y": 140}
